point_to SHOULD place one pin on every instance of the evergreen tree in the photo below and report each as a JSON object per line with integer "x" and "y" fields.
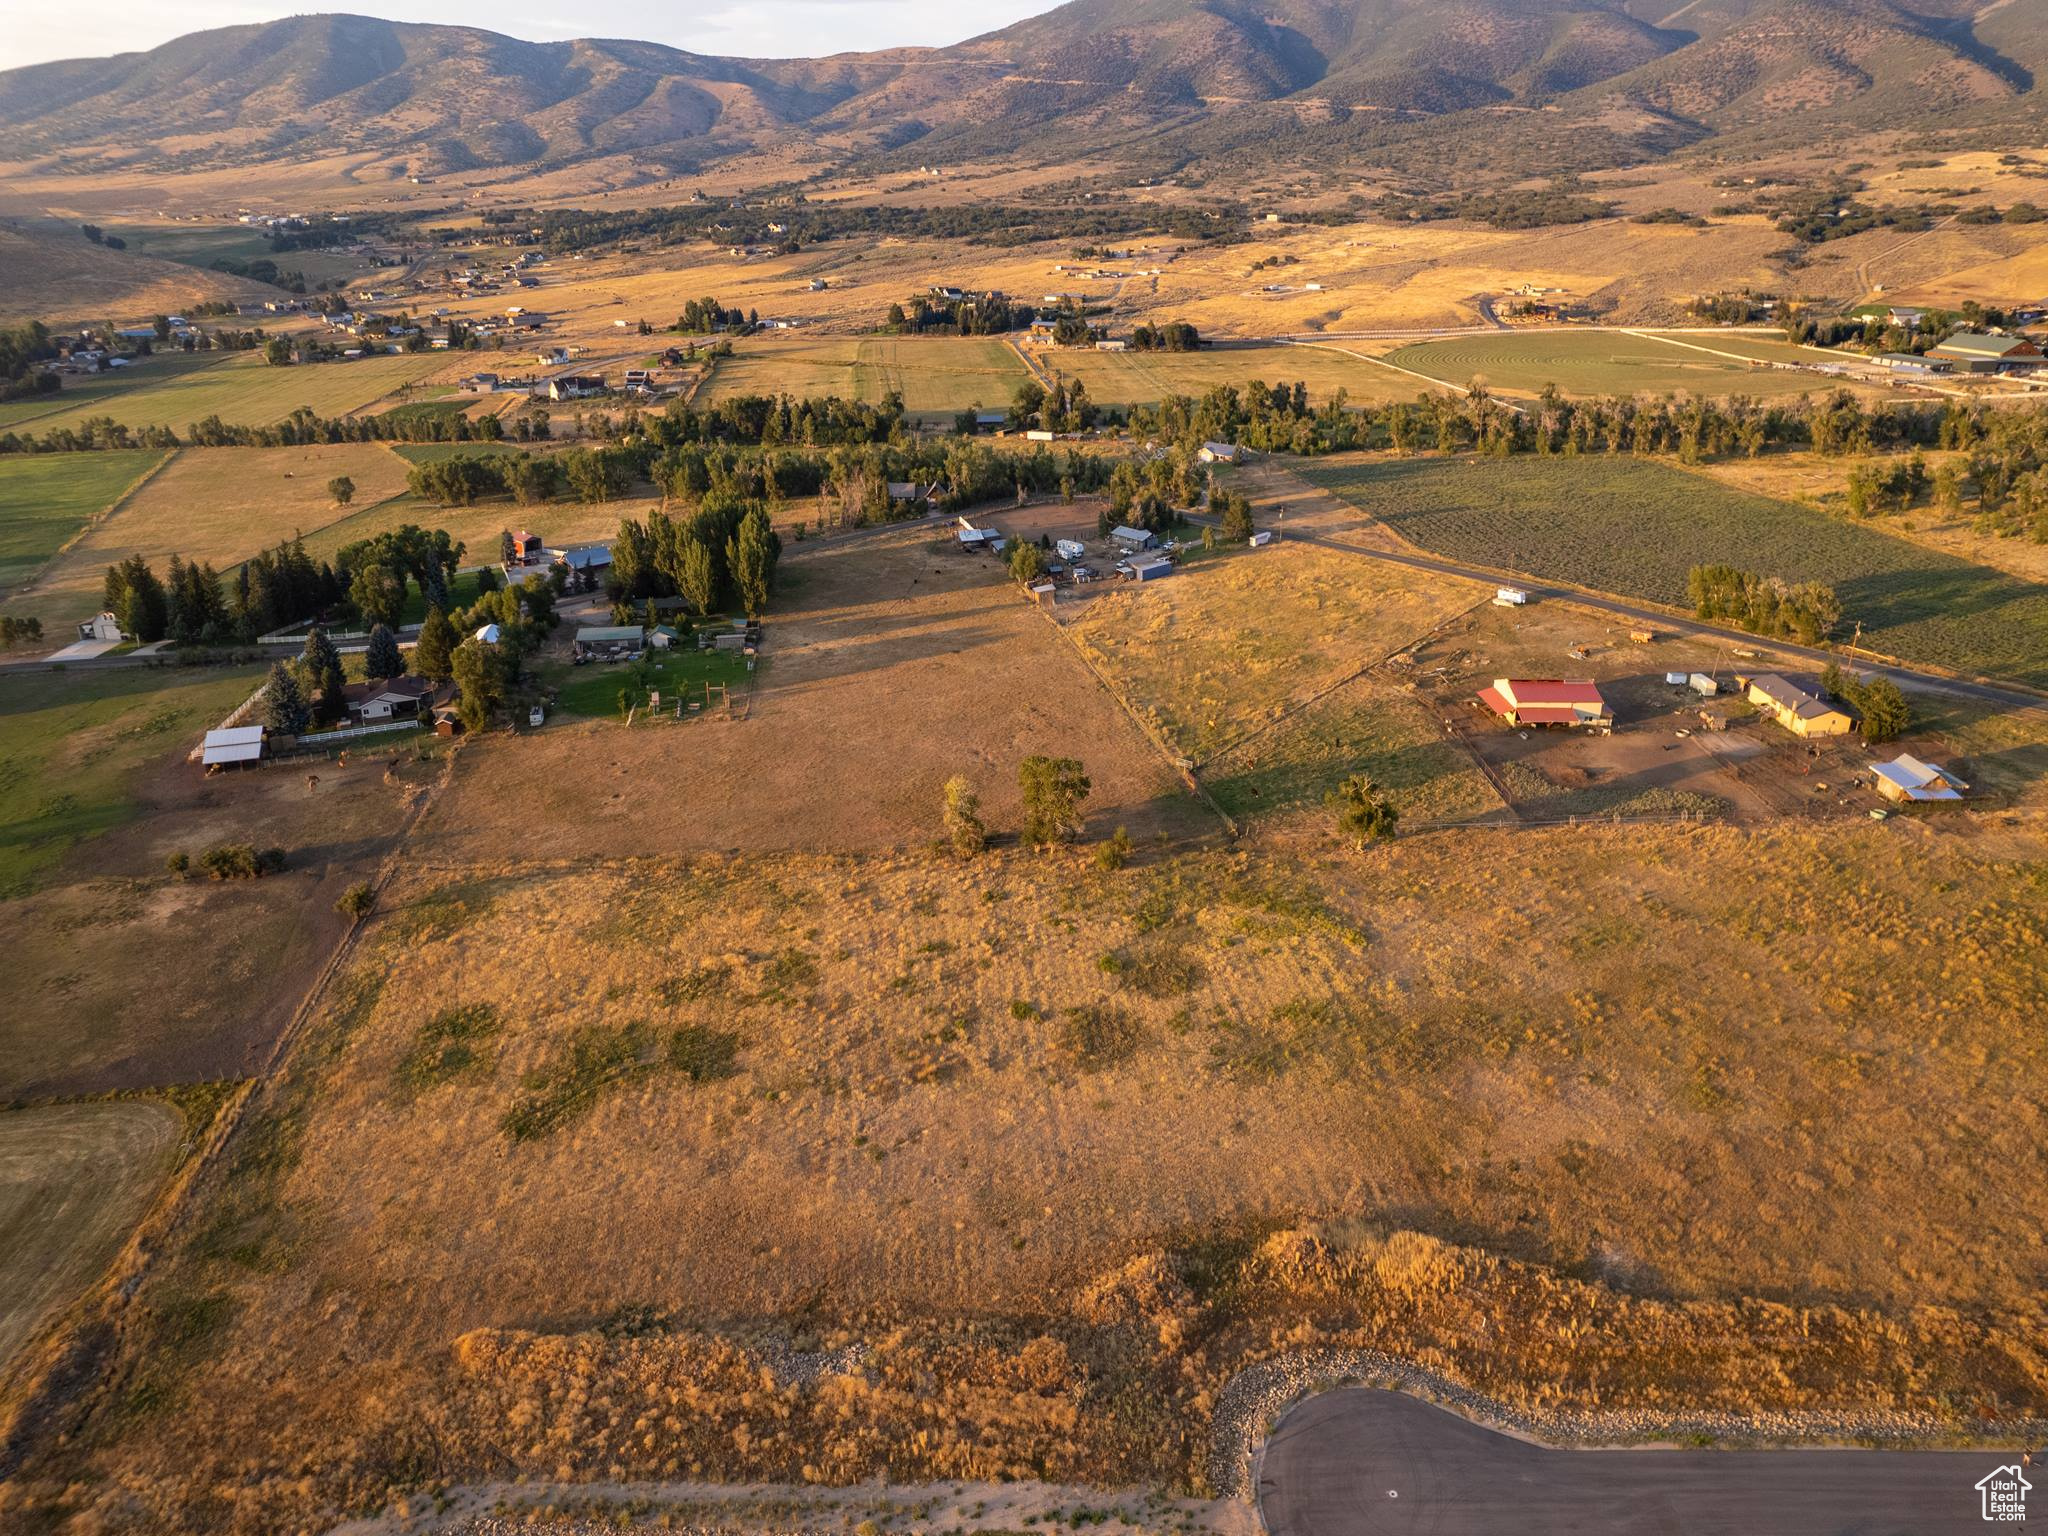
{"x": 384, "y": 659}
{"x": 322, "y": 666}
{"x": 284, "y": 703}
{"x": 431, "y": 657}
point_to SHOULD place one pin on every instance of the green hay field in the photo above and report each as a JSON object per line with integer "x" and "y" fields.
{"x": 45, "y": 500}
{"x": 91, "y": 396}
{"x": 243, "y": 390}
{"x": 1636, "y": 528}
{"x": 1595, "y": 363}
{"x": 71, "y": 742}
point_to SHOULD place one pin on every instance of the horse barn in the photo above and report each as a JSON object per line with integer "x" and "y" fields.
{"x": 1546, "y": 701}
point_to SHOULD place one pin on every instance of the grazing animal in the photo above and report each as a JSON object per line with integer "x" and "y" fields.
{"x": 312, "y": 782}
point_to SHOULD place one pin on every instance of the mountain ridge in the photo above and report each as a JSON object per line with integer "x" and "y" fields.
{"x": 1083, "y": 79}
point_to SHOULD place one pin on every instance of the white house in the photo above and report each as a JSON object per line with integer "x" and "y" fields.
{"x": 101, "y": 626}
{"x": 1221, "y": 453}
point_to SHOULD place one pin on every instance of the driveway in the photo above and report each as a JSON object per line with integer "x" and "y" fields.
{"x": 1366, "y": 1462}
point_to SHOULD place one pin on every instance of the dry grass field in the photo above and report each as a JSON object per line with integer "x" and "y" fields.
{"x": 74, "y": 1178}
{"x": 1135, "y": 378}
{"x": 936, "y": 376}
{"x": 221, "y": 505}
{"x": 62, "y": 278}
{"x": 1229, "y": 644}
{"x": 893, "y": 662}
{"x": 1064, "y": 1126}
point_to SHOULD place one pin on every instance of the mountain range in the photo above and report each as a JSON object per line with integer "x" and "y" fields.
{"x": 1518, "y": 83}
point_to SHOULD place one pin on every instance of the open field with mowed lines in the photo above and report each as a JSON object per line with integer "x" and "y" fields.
{"x": 1142, "y": 378}
{"x": 937, "y": 376}
{"x": 46, "y": 499}
{"x": 1636, "y": 528}
{"x": 244, "y": 391}
{"x": 74, "y": 1179}
{"x": 1597, "y": 363}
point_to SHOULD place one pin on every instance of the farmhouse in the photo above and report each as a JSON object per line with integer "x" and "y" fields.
{"x": 582, "y": 558}
{"x": 1221, "y": 453}
{"x": 480, "y": 383}
{"x": 1907, "y": 777}
{"x": 1133, "y": 538}
{"x": 575, "y": 386}
{"x": 1546, "y": 701}
{"x": 1977, "y": 352}
{"x": 1800, "y": 711}
{"x": 610, "y": 642}
{"x": 101, "y": 626}
{"x": 396, "y": 699}
{"x": 909, "y": 491}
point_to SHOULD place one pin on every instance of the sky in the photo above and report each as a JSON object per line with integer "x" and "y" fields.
{"x": 33, "y": 30}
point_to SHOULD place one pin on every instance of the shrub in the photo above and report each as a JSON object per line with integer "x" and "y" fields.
{"x": 1364, "y": 814}
{"x": 703, "y": 1055}
{"x": 356, "y": 901}
{"x": 1098, "y": 1036}
{"x": 1115, "y": 852}
{"x": 179, "y": 863}
{"x": 1054, "y": 788}
{"x": 965, "y": 833}
{"x": 239, "y": 861}
{"x": 448, "y": 1046}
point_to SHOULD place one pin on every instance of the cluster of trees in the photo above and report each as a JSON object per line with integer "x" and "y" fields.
{"x": 588, "y": 475}
{"x": 807, "y": 223}
{"x": 377, "y": 571}
{"x": 1897, "y": 485}
{"x": 1744, "y": 308}
{"x": 1146, "y": 494}
{"x": 1559, "y": 203}
{"x": 186, "y": 605}
{"x": 14, "y": 631}
{"x": 301, "y": 427}
{"x": 1764, "y": 605}
{"x": 1172, "y": 336}
{"x": 1268, "y": 417}
{"x": 99, "y": 236}
{"x": 1881, "y": 708}
{"x": 1063, "y": 408}
{"x": 23, "y": 351}
{"x": 973, "y": 314}
{"x": 702, "y": 316}
{"x": 724, "y": 552}
{"x": 1053, "y": 789}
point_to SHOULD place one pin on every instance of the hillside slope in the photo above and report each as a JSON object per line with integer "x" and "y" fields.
{"x": 1089, "y": 77}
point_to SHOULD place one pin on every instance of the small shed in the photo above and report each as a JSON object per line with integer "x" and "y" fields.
{"x": 1044, "y": 593}
{"x": 236, "y": 744}
{"x": 1675, "y": 679}
{"x": 1509, "y": 597}
{"x": 611, "y": 640}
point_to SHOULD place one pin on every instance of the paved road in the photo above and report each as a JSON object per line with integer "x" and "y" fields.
{"x": 1658, "y": 618}
{"x": 1365, "y": 1462}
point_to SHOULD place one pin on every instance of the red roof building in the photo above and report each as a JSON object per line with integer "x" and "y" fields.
{"x": 1546, "y": 701}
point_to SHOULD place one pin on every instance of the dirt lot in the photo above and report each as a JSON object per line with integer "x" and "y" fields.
{"x": 892, "y": 662}
{"x": 98, "y": 1006}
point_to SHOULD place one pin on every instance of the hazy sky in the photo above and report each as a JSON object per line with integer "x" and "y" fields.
{"x": 34, "y": 30}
